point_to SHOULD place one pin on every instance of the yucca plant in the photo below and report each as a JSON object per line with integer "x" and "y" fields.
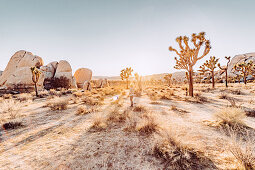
{"x": 245, "y": 69}
{"x": 225, "y": 69}
{"x": 189, "y": 55}
{"x": 125, "y": 74}
{"x": 211, "y": 65}
{"x": 35, "y": 78}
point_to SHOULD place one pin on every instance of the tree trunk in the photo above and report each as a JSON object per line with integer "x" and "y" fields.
{"x": 244, "y": 78}
{"x": 127, "y": 83}
{"x": 226, "y": 79}
{"x": 190, "y": 83}
{"x": 36, "y": 92}
{"x": 213, "y": 82}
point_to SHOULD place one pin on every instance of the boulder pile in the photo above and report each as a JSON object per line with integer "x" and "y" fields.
{"x": 17, "y": 74}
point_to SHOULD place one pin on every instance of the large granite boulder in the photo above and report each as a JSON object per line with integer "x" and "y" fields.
{"x": 81, "y": 75}
{"x": 64, "y": 73}
{"x": 238, "y": 59}
{"x": 17, "y": 74}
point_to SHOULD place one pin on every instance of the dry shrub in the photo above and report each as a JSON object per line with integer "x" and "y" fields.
{"x": 155, "y": 102}
{"x": 91, "y": 101}
{"x": 177, "y": 151}
{"x": 139, "y": 108}
{"x": 243, "y": 150}
{"x": 223, "y": 96}
{"x": 154, "y": 96}
{"x": 58, "y": 103}
{"x": 166, "y": 96}
{"x": 7, "y": 96}
{"x": 199, "y": 98}
{"x": 23, "y": 97}
{"x": 98, "y": 122}
{"x": 116, "y": 116}
{"x": 78, "y": 94}
{"x": 231, "y": 116}
{"x": 237, "y": 92}
{"x": 11, "y": 107}
{"x": 82, "y": 110}
{"x": 12, "y": 125}
{"x": 147, "y": 125}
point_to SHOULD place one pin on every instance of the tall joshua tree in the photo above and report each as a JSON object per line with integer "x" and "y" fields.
{"x": 125, "y": 74}
{"x": 211, "y": 65}
{"x": 168, "y": 78}
{"x": 189, "y": 55}
{"x": 35, "y": 78}
{"x": 244, "y": 68}
{"x": 225, "y": 69}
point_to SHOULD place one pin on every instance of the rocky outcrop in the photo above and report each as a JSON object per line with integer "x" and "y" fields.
{"x": 17, "y": 74}
{"x": 101, "y": 83}
{"x": 238, "y": 59}
{"x": 81, "y": 75}
{"x": 1, "y": 72}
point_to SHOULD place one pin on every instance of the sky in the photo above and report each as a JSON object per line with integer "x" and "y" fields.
{"x": 109, "y": 35}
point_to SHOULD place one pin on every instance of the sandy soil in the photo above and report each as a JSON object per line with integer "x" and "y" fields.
{"x": 63, "y": 140}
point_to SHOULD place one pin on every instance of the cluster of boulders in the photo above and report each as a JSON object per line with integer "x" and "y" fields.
{"x": 17, "y": 74}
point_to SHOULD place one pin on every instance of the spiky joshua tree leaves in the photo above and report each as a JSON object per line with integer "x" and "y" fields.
{"x": 125, "y": 74}
{"x": 35, "y": 78}
{"x": 189, "y": 55}
{"x": 202, "y": 70}
{"x": 211, "y": 65}
{"x": 225, "y": 69}
{"x": 245, "y": 69}
{"x": 168, "y": 78}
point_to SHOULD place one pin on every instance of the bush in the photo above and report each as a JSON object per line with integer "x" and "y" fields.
{"x": 54, "y": 83}
{"x": 230, "y": 116}
{"x": 82, "y": 110}
{"x": 57, "y": 104}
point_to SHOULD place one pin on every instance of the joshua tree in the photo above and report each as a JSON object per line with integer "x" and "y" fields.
{"x": 211, "y": 65}
{"x": 202, "y": 70}
{"x": 189, "y": 55}
{"x": 35, "y": 78}
{"x": 168, "y": 78}
{"x": 125, "y": 74}
{"x": 225, "y": 69}
{"x": 244, "y": 68}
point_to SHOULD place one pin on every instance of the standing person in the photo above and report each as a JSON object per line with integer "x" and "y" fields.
{"x": 131, "y": 94}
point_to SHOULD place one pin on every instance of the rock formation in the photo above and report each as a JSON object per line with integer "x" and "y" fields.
{"x": 1, "y": 72}
{"x": 238, "y": 59}
{"x": 81, "y": 75}
{"x": 102, "y": 83}
{"x": 17, "y": 74}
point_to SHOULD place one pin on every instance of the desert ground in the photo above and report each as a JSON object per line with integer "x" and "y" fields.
{"x": 97, "y": 129}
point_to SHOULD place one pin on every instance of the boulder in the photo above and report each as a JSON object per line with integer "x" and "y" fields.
{"x": 64, "y": 73}
{"x": 81, "y": 75}
{"x": 74, "y": 84}
{"x": 238, "y": 59}
{"x": 1, "y": 72}
{"x": 17, "y": 72}
{"x": 21, "y": 80}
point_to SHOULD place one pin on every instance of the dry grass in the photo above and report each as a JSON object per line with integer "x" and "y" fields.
{"x": 223, "y": 96}
{"x": 147, "y": 124}
{"x": 230, "y": 116}
{"x": 140, "y": 108}
{"x": 82, "y": 110}
{"x": 98, "y": 122}
{"x": 58, "y": 103}
{"x": 243, "y": 150}
{"x": 91, "y": 101}
{"x": 10, "y": 110}
{"x": 23, "y": 97}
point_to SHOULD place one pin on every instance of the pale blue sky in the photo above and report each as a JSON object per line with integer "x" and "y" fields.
{"x": 108, "y": 35}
